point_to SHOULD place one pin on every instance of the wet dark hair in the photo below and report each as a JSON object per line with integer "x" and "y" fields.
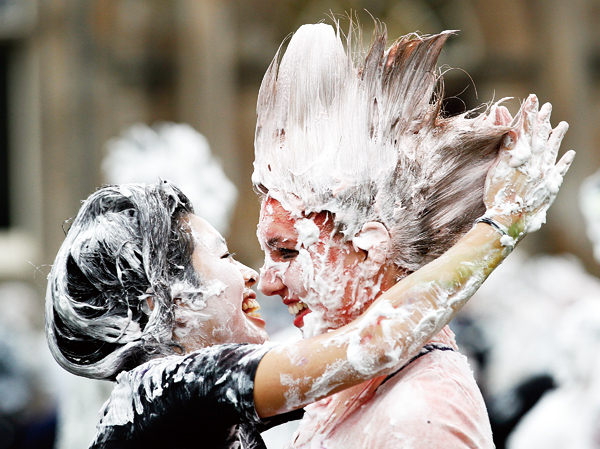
{"x": 127, "y": 243}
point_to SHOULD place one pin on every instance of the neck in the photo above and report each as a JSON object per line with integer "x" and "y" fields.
{"x": 388, "y": 276}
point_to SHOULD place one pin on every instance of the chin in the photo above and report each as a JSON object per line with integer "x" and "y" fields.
{"x": 258, "y": 339}
{"x": 251, "y": 333}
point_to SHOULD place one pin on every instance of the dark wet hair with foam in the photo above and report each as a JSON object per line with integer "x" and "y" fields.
{"x": 127, "y": 243}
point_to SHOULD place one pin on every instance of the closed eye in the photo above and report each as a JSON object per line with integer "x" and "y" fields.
{"x": 287, "y": 253}
{"x": 228, "y": 256}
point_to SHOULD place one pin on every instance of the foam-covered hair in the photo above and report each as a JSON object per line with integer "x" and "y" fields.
{"x": 127, "y": 243}
{"x": 361, "y": 134}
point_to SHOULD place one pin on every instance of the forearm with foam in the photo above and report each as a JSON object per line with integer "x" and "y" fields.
{"x": 401, "y": 321}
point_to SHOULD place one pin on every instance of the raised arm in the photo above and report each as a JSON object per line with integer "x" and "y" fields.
{"x": 520, "y": 187}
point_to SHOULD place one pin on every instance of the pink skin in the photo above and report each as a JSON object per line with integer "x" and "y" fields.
{"x": 338, "y": 266}
{"x": 217, "y": 316}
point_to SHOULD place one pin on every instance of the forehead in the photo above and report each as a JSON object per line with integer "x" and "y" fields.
{"x": 205, "y": 236}
{"x": 277, "y": 223}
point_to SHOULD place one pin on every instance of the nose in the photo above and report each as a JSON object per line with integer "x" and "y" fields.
{"x": 250, "y": 276}
{"x": 270, "y": 283}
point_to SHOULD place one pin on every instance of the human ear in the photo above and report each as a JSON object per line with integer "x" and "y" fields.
{"x": 150, "y": 303}
{"x": 374, "y": 239}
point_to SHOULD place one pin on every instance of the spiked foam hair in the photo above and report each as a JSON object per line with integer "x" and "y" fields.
{"x": 361, "y": 134}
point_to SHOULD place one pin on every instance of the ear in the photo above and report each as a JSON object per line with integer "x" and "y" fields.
{"x": 374, "y": 239}
{"x": 150, "y": 302}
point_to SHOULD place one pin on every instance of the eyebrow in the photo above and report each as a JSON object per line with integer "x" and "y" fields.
{"x": 218, "y": 242}
{"x": 274, "y": 241}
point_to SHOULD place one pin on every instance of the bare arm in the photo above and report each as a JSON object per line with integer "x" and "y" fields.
{"x": 518, "y": 192}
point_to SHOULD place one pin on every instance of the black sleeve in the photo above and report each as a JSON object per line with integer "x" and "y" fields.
{"x": 206, "y": 392}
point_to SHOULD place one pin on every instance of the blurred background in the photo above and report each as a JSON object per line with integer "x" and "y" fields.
{"x": 75, "y": 75}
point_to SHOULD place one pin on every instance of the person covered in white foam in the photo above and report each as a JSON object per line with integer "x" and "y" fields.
{"x": 363, "y": 182}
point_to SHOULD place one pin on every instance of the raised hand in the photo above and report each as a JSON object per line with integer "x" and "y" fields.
{"x": 525, "y": 179}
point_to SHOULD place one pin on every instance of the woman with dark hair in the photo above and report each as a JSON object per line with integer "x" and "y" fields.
{"x": 145, "y": 293}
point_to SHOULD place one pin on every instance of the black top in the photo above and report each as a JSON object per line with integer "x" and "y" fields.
{"x": 201, "y": 400}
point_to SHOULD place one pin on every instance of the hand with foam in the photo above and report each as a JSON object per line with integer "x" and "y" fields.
{"x": 525, "y": 179}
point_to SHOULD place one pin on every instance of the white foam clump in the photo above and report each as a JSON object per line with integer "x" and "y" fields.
{"x": 118, "y": 416}
{"x": 150, "y": 377}
{"x": 149, "y": 380}
{"x": 308, "y": 232}
{"x": 359, "y": 353}
{"x": 180, "y": 154}
{"x": 292, "y": 394}
{"x": 519, "y": 154}
{"x": 508, "y": 241}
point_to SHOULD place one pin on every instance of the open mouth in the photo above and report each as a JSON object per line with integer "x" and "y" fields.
{"x": 299, "y": 310}
{"x": 295, "y": 307}
{"x": 250, "y": 307}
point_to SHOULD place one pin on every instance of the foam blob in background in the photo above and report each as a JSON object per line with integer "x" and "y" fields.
{"x": 180, "y": 154}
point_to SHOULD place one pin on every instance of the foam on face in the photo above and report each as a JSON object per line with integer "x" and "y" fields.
{"x": 308, "y": 232}
{"x": 325, "y": 285}
{"x": 213, "y": 312}
{"x": 322, "y": 275}
{"x": 191, "y": 301}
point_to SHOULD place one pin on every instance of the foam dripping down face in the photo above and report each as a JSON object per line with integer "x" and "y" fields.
{"x": 224, "y": 309}
{"x": 324, "y": 281}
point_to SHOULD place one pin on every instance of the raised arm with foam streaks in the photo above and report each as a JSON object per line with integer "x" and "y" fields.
{"x": 520, "y": 187}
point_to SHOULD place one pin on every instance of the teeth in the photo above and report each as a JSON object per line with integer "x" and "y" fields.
{"x": 296, "y": 307}
{"x": 250, "y": 306}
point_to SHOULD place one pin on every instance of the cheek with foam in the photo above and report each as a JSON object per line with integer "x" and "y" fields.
{"x": 225, "y": 327}
{"x": 192, "y": 312}
{"x": 325, "y": 284}
{"x": 273, "y": 270}
{"x": 339, "y": 289}
{"x": 345, "y": 288}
